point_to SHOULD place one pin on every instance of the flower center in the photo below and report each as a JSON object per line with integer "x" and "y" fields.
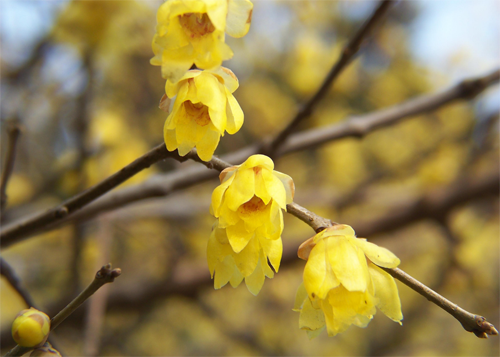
{"x": 254, "y": 205}
{"x": 196, "y": 24}
{"x": 198, "y": 112}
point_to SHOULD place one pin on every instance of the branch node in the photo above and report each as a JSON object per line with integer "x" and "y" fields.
{"x": 61, "y": 212}
{"x": 471, "y": 88}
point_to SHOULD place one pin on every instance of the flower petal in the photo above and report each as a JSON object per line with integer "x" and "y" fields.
{"x": 247, "y": 259}
{"x": 387, "y": 293}
{"x": 224, "y": 271}
{"x": 275, "y": 188}
{"x": 234, "y": 114}
{"x": 238, "y": 236}
{"x": 273, "y": 250}
{"x": 347, "y": 262}
{"x": 380, "y": 256}
{"x": 239, "y": 17}
{"x": 207, "y": 145}
{"x": 241, "y": 190}
{"x": 319, "y": 278}
{"x": 310, "y": 318}
{"x": 255, "y": 281}
{"x": 287, "y": 184}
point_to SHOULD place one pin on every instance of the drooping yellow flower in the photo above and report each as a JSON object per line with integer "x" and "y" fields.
{"x": 204, "y": 108}
{"x": 343, "y": 284}
{"x": 248, "y": 206}
{"x": 193, "y": 31}
{"x": 30, "y": 328}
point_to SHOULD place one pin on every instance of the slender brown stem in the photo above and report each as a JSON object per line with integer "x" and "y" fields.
{"x": 13, "y": 134}
{"x": 103, "y": 276}
{"x": 347, "y": 54}
{"x": 9, "y": 235}
{"x": 470, "y": 322}
{"x": 166, "y": 184}
{"x": 10, "y": 275}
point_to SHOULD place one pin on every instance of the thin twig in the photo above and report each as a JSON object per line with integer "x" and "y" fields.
{"x": 103, "y": 276}
{"x": 13, "y": 131}
{"x": 11, "y": 276}
{"x": 97, "y": 306}
{"x": 80, "y": 131}
{"x": 347, "y": 54}
{"x": 470, "y": 322}
{"x": 10, "y": 234}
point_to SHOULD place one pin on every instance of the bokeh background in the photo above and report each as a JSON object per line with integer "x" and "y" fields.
{"x": 76, "y": 77}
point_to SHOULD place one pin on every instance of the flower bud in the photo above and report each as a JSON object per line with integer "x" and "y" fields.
{"x": 30, "y": 328}
{"x": 45, "y": 351}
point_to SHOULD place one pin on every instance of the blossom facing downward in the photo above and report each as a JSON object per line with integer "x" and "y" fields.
{"x": 30, "y": 328}
{"x": 343, "y": 284}
{"x": 193, "y": 31}
{"x": 248, "y": 206}
{"x": 203, "y": 109}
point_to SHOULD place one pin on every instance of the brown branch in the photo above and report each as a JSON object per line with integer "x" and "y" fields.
{"x": 470, "y": 322}
{"x": 11, "y": 234}
{"x": 13, "y": 131}
{"x": 190, "y": 285}
{"x": 11, "y": 276}
{"x": 97, "y": 306}
{"x": 103, "y": 276}
{"x": 347, "y": 55}
{"x": 165, "y": 184}
{"x": 359, "y": 126}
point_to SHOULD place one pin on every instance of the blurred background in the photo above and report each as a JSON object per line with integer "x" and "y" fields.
{"x": 76, "y": 78}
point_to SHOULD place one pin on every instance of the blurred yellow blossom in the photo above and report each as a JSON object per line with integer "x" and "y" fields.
{"x": 343, "y": 284}
{"x": 194, "y": 32}
{"x": 203, "y": 109}
{"x": 248, "y": 231}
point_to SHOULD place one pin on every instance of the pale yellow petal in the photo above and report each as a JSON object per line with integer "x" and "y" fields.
{"x": 273, "y": 249}
{"x": 211, "y": 95}
{"x": 319, "y": 278}
{"x": 300, "y": 297}
{"x": 275, "y": 188}
{"x": 217, "y": 196}
{"x": 238, "y": 236}
{"x": 236, "y": 279}
{"x": 346, "y": 264}
{"x": 239, "y": 17}
{"x": 287, "y": 184}
{"x": 310, "y": 318}
{"x": 223, "y": 272}
{"x": 170, "y": 140}
{"x": 258, "y": 160}
{"x": 380, "y": 256}
{"x": 387, "y": 293}
{"x": 255, "y": 281}
{"x": 234, "y": 114}
{"x": 242, "y": 189}
{"x": 207, "y": 145}
{"x": 247, "y": 259}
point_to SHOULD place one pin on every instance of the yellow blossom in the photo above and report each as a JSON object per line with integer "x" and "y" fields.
{"x": 30, "y": 328}
{"x": 343, "y": 283}
{"x": 204, "y": 108}
{"x": 193, "y": 31}
{"x": 247, "y": 234}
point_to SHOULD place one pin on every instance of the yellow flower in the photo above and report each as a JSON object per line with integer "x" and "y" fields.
{"x": 30, "y": 328}
{"x": 193, "y": 31}
{"x": 203, "y": 109}
{"x": 343, "y": 284}
{"x": 248, "y": 231}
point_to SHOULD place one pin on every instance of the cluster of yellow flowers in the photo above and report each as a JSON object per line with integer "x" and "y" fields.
{"x": 343, "y": 283}
{"x": 192, "y": 32}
